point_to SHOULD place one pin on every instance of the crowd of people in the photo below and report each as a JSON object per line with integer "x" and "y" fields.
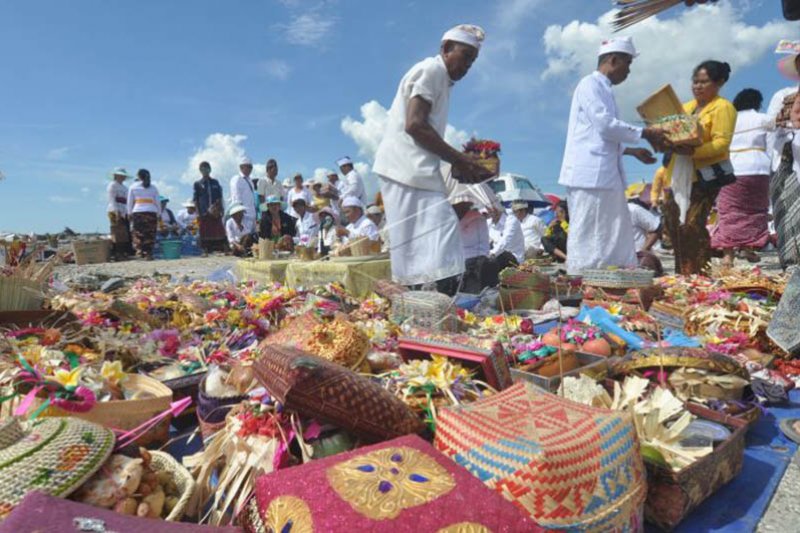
{"x": 445, "y": 227}
{"x": 309, "y": 213}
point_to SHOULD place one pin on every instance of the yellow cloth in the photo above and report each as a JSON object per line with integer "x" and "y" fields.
{"x": 262, "y": 271}
{"x": 357, "y": 277}
{"x": 659, "y": 184}
{"x": 718, "y": 121}
{"x": 321, "y": 202}
{"x": 564, "y": 225}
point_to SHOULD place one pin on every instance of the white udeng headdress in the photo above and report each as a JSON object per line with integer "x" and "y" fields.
{"x": 467, "y": 34}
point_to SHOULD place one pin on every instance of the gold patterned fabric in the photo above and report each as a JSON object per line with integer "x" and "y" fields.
{"x": 465, "y": 527}
{"x": 380, "y": 484}
{"x": 289, "y": 514}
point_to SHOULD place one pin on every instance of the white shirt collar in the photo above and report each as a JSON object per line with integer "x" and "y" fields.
{"x": 603, "y": 78}
{"x": 440, "y": 59}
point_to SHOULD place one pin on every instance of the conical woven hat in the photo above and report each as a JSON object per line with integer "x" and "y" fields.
{"x": 53, "y": 455}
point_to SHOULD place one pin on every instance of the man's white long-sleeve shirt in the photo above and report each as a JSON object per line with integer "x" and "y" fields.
{"x": 595, "y": 138}
{"x": 506, "y": 236}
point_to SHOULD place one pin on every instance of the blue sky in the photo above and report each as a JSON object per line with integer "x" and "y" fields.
{"x": 90, "y": 85}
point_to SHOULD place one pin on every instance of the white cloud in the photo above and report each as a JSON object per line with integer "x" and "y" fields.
{"x": 321, "y": 174}
{"x": 223, "y": 151}
{"x": 276, "y": 68}
{"x": 308, "y": 29}
{"x": 165, "y": 188}
{"x": 368, "y": 132}
{"x": 85, "y": 190}
{"x": 57, "y": 154}
{"x": 667, "y": 55}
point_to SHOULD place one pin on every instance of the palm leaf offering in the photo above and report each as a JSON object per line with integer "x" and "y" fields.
{"x": 680, "y": 129}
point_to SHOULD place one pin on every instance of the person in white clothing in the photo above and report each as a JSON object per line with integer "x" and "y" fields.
{"x": 600, "y": 231}
{"x": 242, "y": 190}
{"x": 306, "y": 226}
{"x": 743, "y": 206}
{"x": 145, "y": 209}
{"x": 117, "y": 210}
{"x": 375, "y": 214}
{"x": 353, "y": 183}
{"x": 479, "y": 270}
{"x": 240, "y": 231}
{"x": 298, "y": 191}
{"x": 505, "y": 232}
{"x": 646, "y": 224}
{"x": 327, "y": 231}
{"x": 270, "y": 186}
{"x": 359, "y": 225}
{"x": 533, "y": 229}
{"x": 423, "y": 229}
{"x": 187, "y": 217}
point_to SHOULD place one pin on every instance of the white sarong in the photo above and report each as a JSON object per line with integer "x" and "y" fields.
{"x": 425, "y": 243}
{"x": 600, "y": 230}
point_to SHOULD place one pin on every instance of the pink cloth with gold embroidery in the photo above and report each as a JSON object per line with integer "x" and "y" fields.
{"x": 403, "y": 485}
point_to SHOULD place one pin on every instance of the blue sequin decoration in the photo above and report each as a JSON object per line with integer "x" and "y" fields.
{"x": 397, "y": 458}
{"x": 287, "y": 527}
{"x": 418, "y": 478}
{"x": 366, "y": 468}
{"x": 384, "y": 487}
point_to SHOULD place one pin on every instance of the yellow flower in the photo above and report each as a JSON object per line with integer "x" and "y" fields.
{"x": 68, "y": 378}
{"x": 615, "y": 309}
{"x": 112, "y": 372}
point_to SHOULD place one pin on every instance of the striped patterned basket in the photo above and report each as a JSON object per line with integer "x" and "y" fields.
{"x": 569, "y": 466}
{"x": 618, "y": 278}
{"x": 516, "y": 298}
{"x": 527, "y": 279}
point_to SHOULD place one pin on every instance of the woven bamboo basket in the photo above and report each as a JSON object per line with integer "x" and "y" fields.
{"x": 524, "y": 279}
{"x": 662, "y": 103}
{"x": 266, "y": 249}
{"x": 512, "y": 298}
{"x": 211, "y": 410}
{"x": 305, "y": 253}
{"x": 164, "y": 462}
{"x": 20, "y": 294}
{"x": 671, "y": 495}
{"x": 425, "y": 309}
{"x": 129, "y": 414}
{"x": 361, "y": 247}
{"x": 91, "y": 251}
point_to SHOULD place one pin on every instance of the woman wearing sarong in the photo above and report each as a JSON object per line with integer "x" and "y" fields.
{"x": 117, "y": 210}
{"x": 208, "y": 200}
{"x": 145, "y": 209}
{"x": 717, "y": 116}
{"x": 743, "y": 206}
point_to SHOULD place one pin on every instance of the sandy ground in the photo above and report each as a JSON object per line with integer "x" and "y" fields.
{"x": 784, "y": 508}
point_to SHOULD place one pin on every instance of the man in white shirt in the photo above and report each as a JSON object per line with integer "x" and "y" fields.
{"x": 242, "y": 191}
{"x": 600, "y": 231}
{"x": 270, "y": 186}
{"x": 117, "y": 208}
{"x": 307, "y": 226}
{"x": 533, "y": 229}
{"x": 505, "y": 232}
{"x": 353, "y": 183}
{"x": 375, "y": 214}
{"x": 240, "y": 231}
{"x": 426, "y": 244}
{"x": 646, "y": 224}
{"x": 187, "y": 216}
{"x": 359, "y": 225}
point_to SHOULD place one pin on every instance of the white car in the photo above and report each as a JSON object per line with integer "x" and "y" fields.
{"x": 513, "y": 187}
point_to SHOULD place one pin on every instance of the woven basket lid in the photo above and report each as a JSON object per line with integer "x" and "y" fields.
{"x": 55, "y": 455}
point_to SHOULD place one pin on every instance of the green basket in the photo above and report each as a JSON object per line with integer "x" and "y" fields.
{"x": 171, "y": 249}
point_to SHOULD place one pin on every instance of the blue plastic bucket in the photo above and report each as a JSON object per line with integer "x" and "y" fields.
{"x": 171, "y": 249}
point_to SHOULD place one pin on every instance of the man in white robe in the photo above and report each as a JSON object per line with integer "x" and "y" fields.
{"x": 353, "y": 182}
{"x": 423, "y": 229}
{"x": 243, "y": 192}
{"x": 600, "y": 230}
{"x": 359, "y": 225}
{"x": 533, "y": 229}
{"x": 505, "y": 233}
